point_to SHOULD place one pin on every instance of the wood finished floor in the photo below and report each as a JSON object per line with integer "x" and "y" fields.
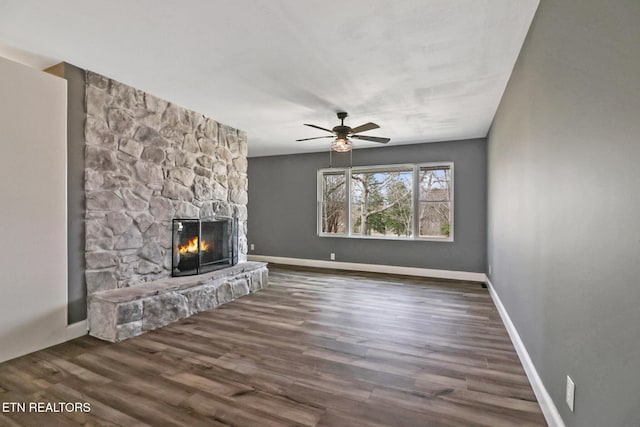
{"x": 317, "y": 348}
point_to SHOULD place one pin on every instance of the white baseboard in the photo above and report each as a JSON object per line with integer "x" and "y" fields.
{"x": 547, "y": 405}
{"x": 76, "y": 330}
{"x": 374, "y": 268}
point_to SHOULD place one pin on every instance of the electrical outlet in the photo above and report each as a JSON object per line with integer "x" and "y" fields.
{"x": 332, "y": 257}
{"x": 571, "y": 393}
{"x": 489, "y": 268}
{"x": 252, "y": 247}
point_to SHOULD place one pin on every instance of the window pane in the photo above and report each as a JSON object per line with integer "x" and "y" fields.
{"x": 334, "y": 203}
{"x": 381, "y": 203}
{"x": 435, "y": 202}
{"x": 435, "y": 184}
{"x": 435, "y": 219}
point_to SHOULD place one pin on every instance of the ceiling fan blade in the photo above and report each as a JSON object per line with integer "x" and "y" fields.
{"x": 318, "y": 127}
{"x": 364, "y": 127}
{"x": 317, "y": 137}
{"x": 371, "y": 138}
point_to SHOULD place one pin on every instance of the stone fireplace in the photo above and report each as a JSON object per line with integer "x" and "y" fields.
{"x": 153, "y": 172}
{"x": 148, "y": 161}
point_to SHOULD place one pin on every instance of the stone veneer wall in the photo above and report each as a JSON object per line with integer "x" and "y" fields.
{"x": 149, "y": 161}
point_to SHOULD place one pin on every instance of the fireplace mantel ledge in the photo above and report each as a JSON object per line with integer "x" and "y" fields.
{"x": 118, "y": 314}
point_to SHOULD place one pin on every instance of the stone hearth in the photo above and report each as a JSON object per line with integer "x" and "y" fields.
{"x": 118, "y": 314}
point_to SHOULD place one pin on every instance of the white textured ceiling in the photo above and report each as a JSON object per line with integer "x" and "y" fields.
{"x": 424, "y": 70}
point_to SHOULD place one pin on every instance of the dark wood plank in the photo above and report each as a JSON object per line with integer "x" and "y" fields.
{"x": 316, "y": 348}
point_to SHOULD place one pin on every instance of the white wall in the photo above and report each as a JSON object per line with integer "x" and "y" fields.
{"x": 33, "y": 255}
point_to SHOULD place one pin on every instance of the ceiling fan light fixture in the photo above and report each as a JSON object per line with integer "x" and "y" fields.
{"x": 342, "y": 132}
{"x": 341, "y": 145}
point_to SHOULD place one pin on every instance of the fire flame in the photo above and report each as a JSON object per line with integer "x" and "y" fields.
{"x": 191, "y": 247}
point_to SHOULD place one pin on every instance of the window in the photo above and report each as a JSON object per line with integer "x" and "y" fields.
{"x": 334, "y": 202}
{"x": 398, "y": 202}
{"x": 434, "y": 201}
{"x": 381, "y": 202}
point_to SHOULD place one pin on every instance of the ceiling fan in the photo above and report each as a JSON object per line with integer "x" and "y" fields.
{"x": 342, "y": 133}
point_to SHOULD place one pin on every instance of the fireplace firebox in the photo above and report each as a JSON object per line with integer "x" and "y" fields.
{"x": 200, "y": 246}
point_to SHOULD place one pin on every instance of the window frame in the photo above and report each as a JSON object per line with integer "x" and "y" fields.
{"x": 415, "y": 195}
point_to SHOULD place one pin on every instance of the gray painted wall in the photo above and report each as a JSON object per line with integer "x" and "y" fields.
{"x": 76, "y": 113}
{"x": 564, "y": 235}
{"x": 282, "y": 208}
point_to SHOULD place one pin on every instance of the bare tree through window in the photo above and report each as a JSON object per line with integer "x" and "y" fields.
{"x": 434, "y": 185}
{"x": 334, "y": 203}
{"x": 381, "y": 203}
